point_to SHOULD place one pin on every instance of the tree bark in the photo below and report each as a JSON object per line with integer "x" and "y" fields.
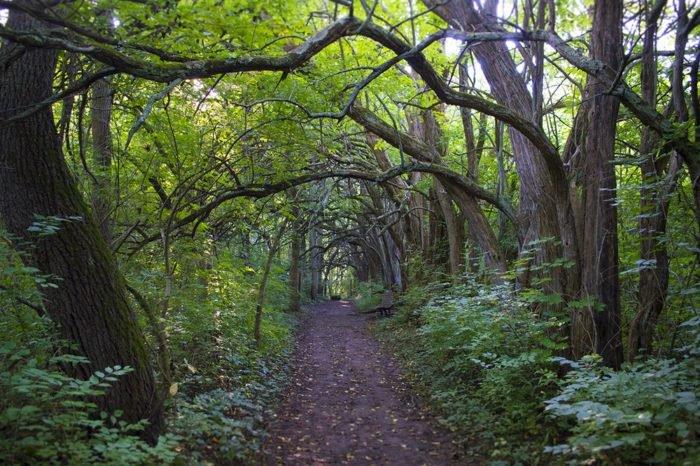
{"x": 545, "y": 211}
{"x": 90, "y": 304}
{"x": 426, "y": 128}
{"x": 295, "y": 273}
{"x": 479, "y": 228}
{"x": 101, "y": 112}
{"x": 654, "y": 200}
{"x": 600, "y": 247}
{"x": 454, "y": 230}
{"x": 101, "y": 115}
{"x": 315, "y": 262}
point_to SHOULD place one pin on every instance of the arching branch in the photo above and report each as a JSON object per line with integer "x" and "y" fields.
{"x": 259, "y": 191}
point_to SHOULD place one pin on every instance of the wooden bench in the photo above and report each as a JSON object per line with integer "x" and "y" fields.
{"x": 387, "y": 303}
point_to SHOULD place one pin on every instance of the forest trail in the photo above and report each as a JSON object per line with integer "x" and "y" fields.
{"x": 346, "y": 403}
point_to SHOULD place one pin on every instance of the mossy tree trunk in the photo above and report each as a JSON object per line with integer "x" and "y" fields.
{"x": 90, "y": 303}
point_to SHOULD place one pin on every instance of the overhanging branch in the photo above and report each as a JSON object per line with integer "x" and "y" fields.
{"x": 259, "y": 191}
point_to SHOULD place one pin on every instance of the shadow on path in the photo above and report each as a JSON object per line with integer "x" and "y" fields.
{"x": 345, "y": 403}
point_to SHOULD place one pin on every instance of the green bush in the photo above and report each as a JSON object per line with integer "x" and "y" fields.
{"x": 368, "y": 295}
{"x": 220, "y": 379}
{"x": 647, "y": 412}
{"x": 47, "y": 417}
{"x": 226, "y": 425}
{"x": 492, "y": 365}
{"x": 487, "y": 360}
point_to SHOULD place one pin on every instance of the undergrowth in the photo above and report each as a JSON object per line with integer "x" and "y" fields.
{"x": 368, "y": 295}
{"x": 494, "y": 370}
{"x": 222, "y": 383}
{"x": 47, "y": 417}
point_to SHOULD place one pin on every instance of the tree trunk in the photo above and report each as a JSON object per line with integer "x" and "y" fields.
{"x": 90, "y": 304}
{"x": 545, "y": 211}
{"x": 600, "y": 249}
{"x": 654, "y": 202}
{"x": 395, "y": 190}
{"x": 315, "y": 262}
{"x": 263, "y": 283}
{"x": 454, "y": 230}
{"x": 393, "y": 261}
{"x": 294, "y": 272}
{"x": 101, "y": 114}
{"x": 433, "y": 254}
{"x": 479, "y": 228}
{"x": 481, "y": 232}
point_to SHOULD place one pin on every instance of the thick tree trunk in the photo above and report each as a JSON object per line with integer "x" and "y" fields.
{"x": 481, "y": 232}
{"x": 454, "y": 230}
{"x": 393, "y": 262}
{"x": 545, "y": 211}
{"x": 90, "y": 304}
{"x": 600, "y": 249}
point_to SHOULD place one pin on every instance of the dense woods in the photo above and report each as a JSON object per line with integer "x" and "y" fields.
{"x": 179, "y": 180}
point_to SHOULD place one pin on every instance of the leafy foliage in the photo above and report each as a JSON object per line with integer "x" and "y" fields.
{"x": 493, "y": 369}
{"x": 228, "y": 425}
{"x": 486, "y": 361}
{"x": 368, "y": 295}
{"x": 221, "y": 390}
{"x": 48, "y": 417}
{"x": 646, "y": 412}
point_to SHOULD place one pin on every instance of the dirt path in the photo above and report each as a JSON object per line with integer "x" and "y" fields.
{"x": 346, "y": 404}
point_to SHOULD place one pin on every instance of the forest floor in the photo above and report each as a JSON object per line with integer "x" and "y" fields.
{"x": 346, "y": 402}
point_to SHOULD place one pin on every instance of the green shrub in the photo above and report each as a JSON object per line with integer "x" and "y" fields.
{"x": 487, "y": 361}
{"x": 47, "y": 417}
{"x": 368, "y": 295}
{"x": 221, "y": 378}
{"x": 647, "y": 412}
{"x": 227, "y": 425}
